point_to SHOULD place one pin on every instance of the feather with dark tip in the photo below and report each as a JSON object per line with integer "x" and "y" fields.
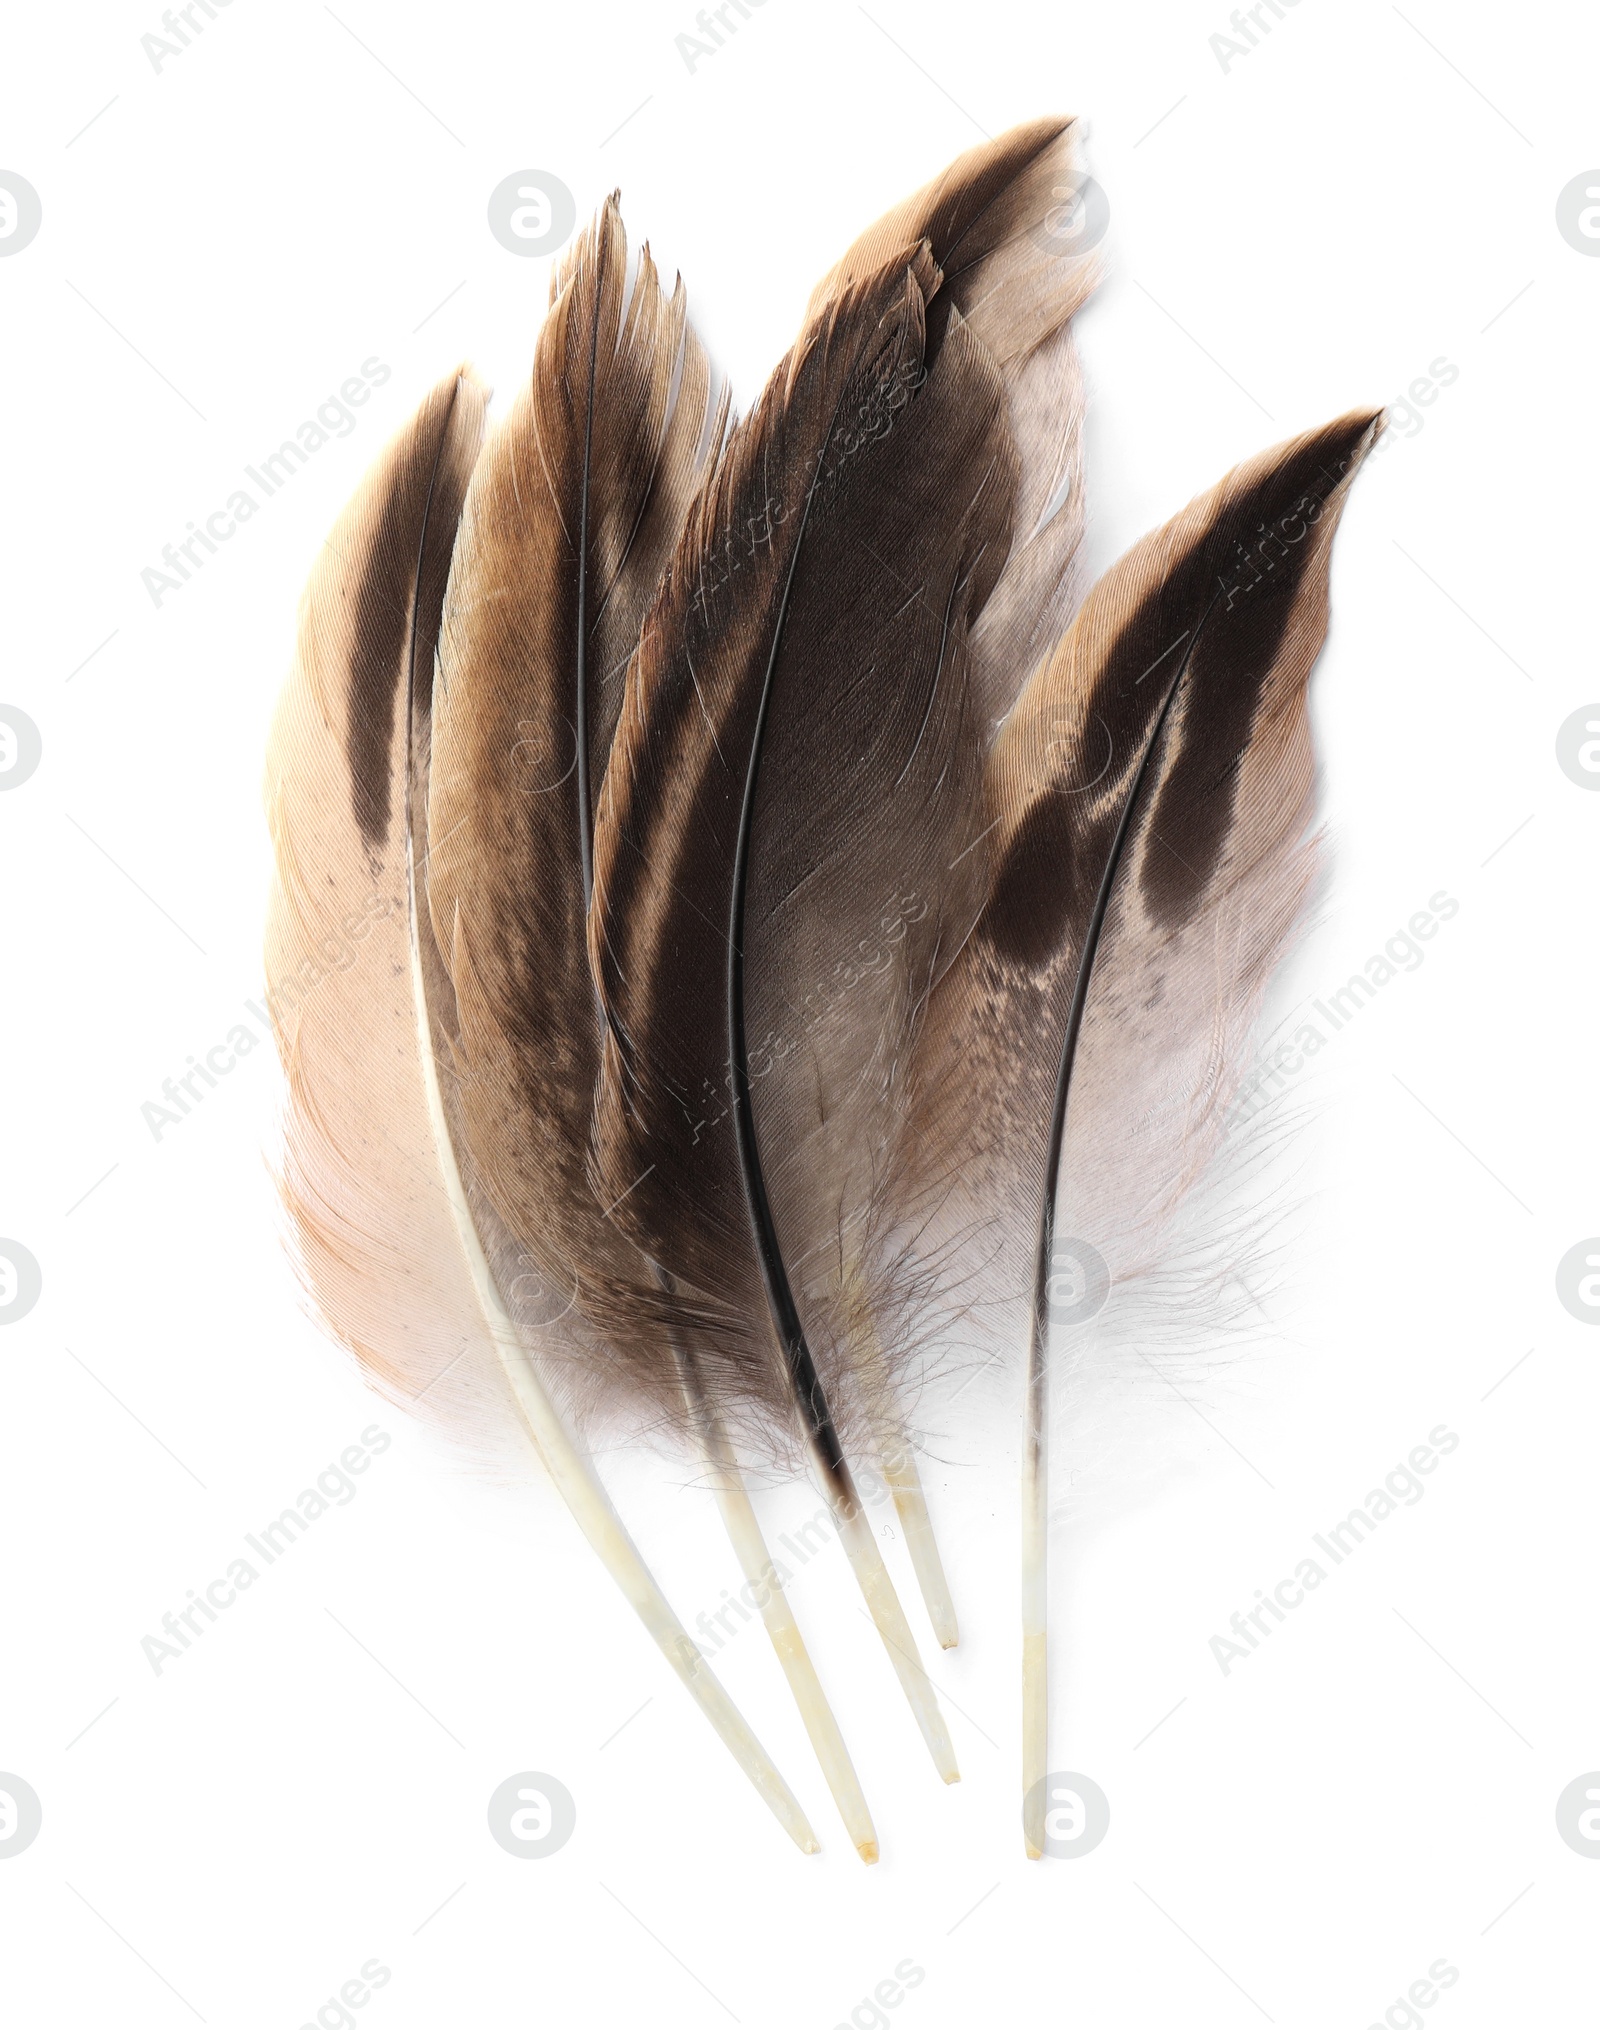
{"x": 1214, "y": 870}
{"x": 1149, "y": 797}
{"x": 778, "y": 859}
{"x": 374, "y": 1236}
{"x": 573, "y": 511}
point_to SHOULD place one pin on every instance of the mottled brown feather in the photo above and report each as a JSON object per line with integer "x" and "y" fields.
{"x": 572, "y": 513}
{"x": 816, "y": 620}
{"x": 1011, "y": 227}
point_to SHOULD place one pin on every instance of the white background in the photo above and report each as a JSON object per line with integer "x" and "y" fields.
{"x": 304, "y": 1790}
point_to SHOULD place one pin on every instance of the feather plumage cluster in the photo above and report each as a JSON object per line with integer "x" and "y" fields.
{"x": 783, "y": 896}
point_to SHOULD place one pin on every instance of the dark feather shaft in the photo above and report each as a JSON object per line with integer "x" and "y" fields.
{"x": 817, "y": 1419}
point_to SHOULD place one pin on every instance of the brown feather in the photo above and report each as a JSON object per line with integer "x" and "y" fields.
{"x": 374, "y": 1233}
{"x": 793, "y": 779}
{"x": 573, "y": 510}
{"x": 1207, "y": 880}
{"x": 998, "y": 221}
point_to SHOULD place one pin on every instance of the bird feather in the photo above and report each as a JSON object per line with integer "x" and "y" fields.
{"x": 1149, "y": 796}
{"x": 572, "y": 512}
{"x": 391, "y": 1235}
{"x": 790, "y": 789}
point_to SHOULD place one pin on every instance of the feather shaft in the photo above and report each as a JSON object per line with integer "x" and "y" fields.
{"x": 1035, "y": 1448}
{"x": 899, "y": 1463}
{"x": 765, "y": 1583}
{"x": 911, "y": 1505}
